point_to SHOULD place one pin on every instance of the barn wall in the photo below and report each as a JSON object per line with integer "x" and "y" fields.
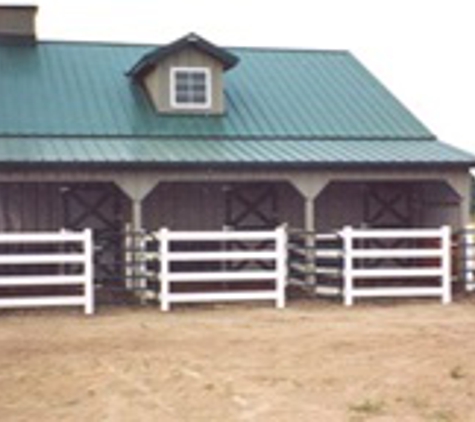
{"x": 339, "y": 204}
{"x": 201, "y": 206}
{"x": 440, "y": 205}
{"x": 340, "y": 207}
{"x": 433, "y": 203}
{"x": 30, "y": 206}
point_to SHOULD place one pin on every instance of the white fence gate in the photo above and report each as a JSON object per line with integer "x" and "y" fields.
{"x": 428, "y": 258}
{"x": 46, "y": 262}
{"x": 222, "y": 263}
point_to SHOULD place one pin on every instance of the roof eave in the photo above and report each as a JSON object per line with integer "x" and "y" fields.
{"x": 106, "y": 165}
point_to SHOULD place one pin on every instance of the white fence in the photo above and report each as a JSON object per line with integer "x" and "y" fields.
{"x": 46, "y": 262}
{"x": 222, "y": 263}
{"x": 428, "y": 258}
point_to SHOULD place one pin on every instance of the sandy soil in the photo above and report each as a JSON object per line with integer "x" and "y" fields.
{"x": 310, "y": 362}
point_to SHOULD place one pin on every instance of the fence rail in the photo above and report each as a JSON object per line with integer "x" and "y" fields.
{"x": 46, "y": 261}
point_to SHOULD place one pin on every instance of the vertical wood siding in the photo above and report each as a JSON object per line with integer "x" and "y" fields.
{"x": 201, "y": 206}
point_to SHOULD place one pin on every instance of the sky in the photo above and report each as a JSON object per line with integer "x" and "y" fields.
{"x": 422, "y": 50}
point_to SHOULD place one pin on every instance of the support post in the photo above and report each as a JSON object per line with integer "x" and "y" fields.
{"x": 310, "y": 186}
{"x": 347, "y": 235}
{"x": 139, "y": 282}
{"x": 136, "y": 187}
{"x": 310, "y": 277}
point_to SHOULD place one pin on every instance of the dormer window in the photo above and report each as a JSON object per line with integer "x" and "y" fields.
{"x": 185, "y": 76}
{"x": 190, "y": 87}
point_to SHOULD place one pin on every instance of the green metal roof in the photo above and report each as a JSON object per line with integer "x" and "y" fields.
{"x": 81, "y": 89}
{"x": 146, "y": 151}
{"x": 63, "y": 102}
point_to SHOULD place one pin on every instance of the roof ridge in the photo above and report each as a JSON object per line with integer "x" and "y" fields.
{"x": 261, "y": 49}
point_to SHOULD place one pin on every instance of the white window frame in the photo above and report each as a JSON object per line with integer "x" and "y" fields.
{"x": 190, "y": 106}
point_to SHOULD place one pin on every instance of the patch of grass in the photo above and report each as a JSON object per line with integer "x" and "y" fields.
{"x": 368, "y": 407}
{"x": 457, "y": 373}
{"x": 443, "y": 416}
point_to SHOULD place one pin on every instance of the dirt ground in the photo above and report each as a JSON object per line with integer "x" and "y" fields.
{"x": 315, "y": 361}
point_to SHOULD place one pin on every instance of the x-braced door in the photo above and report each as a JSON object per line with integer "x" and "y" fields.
{"x": 251, "y": 206}
{"x": 389, "y": 205}
{"x": 98, "y": 206}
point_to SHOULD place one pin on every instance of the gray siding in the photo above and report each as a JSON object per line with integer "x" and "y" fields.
{"x": 342, "y": 203}
{"x": 30, "y": 206}
{"x": 201, "y": 206}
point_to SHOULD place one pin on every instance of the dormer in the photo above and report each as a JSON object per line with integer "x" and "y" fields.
{"x": 185, "y": 77}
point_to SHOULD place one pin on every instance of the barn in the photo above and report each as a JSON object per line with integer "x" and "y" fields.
{"x": 193, "y": 136}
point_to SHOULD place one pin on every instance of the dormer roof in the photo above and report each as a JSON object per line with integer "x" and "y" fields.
{"x": 151, "y": 59}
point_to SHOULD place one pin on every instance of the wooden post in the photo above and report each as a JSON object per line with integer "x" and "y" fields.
{"x": 138, "y": 280}
{"x": 347, "y": 235}
{"x": 164, "y": 270}
{"x": 310, "y": 276}
{"x": 281, "y": 265}
{"x": 446, "y": 264}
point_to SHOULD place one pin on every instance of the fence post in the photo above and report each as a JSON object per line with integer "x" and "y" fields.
{"x": 164, "y": 270}
{"x": 347, "y": 234}
{"x": 88, "y": 273}
{"x": 281, "y": 265}
{"x": 446, "y": 264}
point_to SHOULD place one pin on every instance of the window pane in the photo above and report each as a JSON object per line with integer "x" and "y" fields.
{"x": 198, "y": 77}
{"x": 191, "y": 87}
{"x": 182, "y": 98}
{"x": 199, "y": 97}
{"x": 181, "y": 76}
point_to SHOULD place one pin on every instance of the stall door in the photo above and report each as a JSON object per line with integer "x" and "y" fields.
{"x": 99, "y": 207}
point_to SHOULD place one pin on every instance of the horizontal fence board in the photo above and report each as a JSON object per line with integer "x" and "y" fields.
{"x": 328, "y": 290}
{"x": 42, "y": 280}
{"x": 328, "y": 253}
{"x": 216, "y": 236}
{"x": 397, "y": 292}
{"x": 20, "y": 302}
{"x": 395, "y": 234}
{"x": 52, "y": 258}
{"x": 222, "y": 297}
